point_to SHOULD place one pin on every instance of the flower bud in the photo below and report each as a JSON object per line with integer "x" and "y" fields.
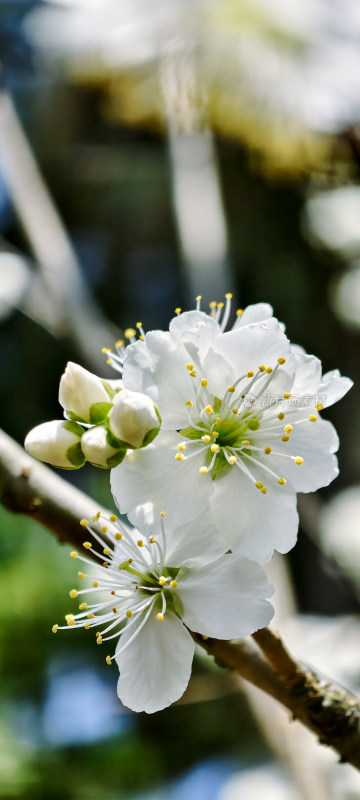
{"x": 84, "y": 396}
{"x": 134, "y": 418}
{"x": 57, "y": 443}
{"x": 96, "y": 448}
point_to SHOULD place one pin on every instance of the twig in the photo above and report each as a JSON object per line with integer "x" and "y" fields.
{"x": 329, "y": 711}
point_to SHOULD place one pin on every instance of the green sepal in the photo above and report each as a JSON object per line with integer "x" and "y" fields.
{"x": 109, "y": 390}
{"x": 177, "y": 603}
{"x": 150, "y": 436}
{"x": 76, "y": 455}
{"x": 118, "y": 444}
{"x": 74, "y": 417}
{"x": 99, "y": 412}
{"x": 73, "y": 427}
{"x": 191, "y": 433}
{"x": 116, "y": 459}
{"x": 220, "y": 463}
{"x": 158, "y": 413}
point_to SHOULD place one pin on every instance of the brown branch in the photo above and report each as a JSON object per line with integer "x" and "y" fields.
{"x": 328, "y": 710}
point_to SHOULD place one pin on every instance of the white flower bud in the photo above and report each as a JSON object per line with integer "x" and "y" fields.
{"x": 97, "y": 449}
{"x": 84, "y": 395}
{"x": 132, "y": 417}
{"x": 56, "y": 443}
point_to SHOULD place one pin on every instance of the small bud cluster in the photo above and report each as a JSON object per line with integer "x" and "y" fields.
{"x": 102, "y": 421}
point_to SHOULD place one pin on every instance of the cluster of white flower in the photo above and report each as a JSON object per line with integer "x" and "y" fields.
{"x": 211, "y": 495}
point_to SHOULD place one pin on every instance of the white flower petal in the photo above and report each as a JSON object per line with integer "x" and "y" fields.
{"x": 152, "y": 475}
{"x": 236, "y": 352}
{"x": 307, "y": 378}
{"x": 156, "y": 667}
{"x": 333, "y": 387}
{"x": 194, "y": 544}
{"x": 157, "y": 367}
{"x": 196, "y": 331}
{"x": 225, "y": 599}
{"x": 254, "y": 524}
{"x": 257, "y": 312}
{"x": 315, "y": 442}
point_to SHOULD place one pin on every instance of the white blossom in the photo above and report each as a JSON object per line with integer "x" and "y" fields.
{"x": 97, "y": 449}
{"x": 241, "y": 426}
{"x": 57, "y": 443}
{"x": 154, "y": 586}
{"x": 83, "y": 395}
{"x": 133, "y": 418}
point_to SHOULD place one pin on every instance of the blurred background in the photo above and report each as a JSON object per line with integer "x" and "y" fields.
{"x": 150, "y": 152}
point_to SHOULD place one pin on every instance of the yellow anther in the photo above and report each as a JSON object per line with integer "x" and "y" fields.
{"x": 209, "y": 409}
{"x": 87, "y": 626}
{"x": 71, "y": 622}
{"x": 73, "y": 593}
{"x": 281, "y": 360}
{"x": 319, "y": 406}
{"x": 262, "y": 367}
{"x": 269, "y": 370}
{"x": 87, "y": 545}
{"x": 91, "y": 615}
{"x": 106, "y": 551}
{"x": 220, "y": 305}
{"x": 152, "y": 540}
{"x": 215, "y": 434}
{"x": 281, "y": 415}
{"x": 267, "y": 451}
{"x": 282, "y": 481}
{"x": 95, "y": 584}
{"x": 259, "y": 484}
{"x": 189, "y": 367}
{"x": 83, "y": 606}
{"x": 198, "y": 297}
{"x": 103, "y": 529}
{"x": 108, "y": 660}
{"x": 98, "y": 639}
{"x": 263, "y": 490}
{"x": 287, "y": 395}
{"x": 250, "y": 374}
{"x": 299, "y": 460}
{"x": 96, "y": 516}
{"x": 119, "y": 343}
{"x": 73, "y": 554}
{"x": 204, "y": 382}
{"x": 139, "y": 324}
{"x": 245, "y": 441}
{"x": 189, "y": 403}
{"x": 181, "y": 446}
{"x": 312, "y": 418}
{"x": 130, "y": 332}
{"x": 214, "y": 448}
{"x": 228, "y": 296}
{"x": 112, "y": 592}
{"x": 84, "y": 523}
{"x": 68, "y": 616}
{"x": 129, "y": 613}
{"x": 113, "y": 518}
{"x": 109, "y": 361}
{"x": 178, "y": 310}
{"x": 212, "y": 304}
{"x": 140, "y": 543}
{"x": 231, "y": 388}
{"x": 239, "y": 312}
{"x": 118, "y": 536}
{"x": 114, "y": 610}
{"x": 232, "y": 460}
{"x": 105, "y": 563}
{"x": 206, "y": 439}
{"x": 285, "y": 438}
{"x": 203, "y": 470}
{"x": 160, "y": 617}
{"x": 106, "y": 349}
{"x": 193, "y": 373}
{"x": 288, "y": 428}
{"x": 162, "y": 514}
{"x": 81, "y": 574}
{"x": 218, "y": 421}
{"x": 173, "y": 584}
{"x": 55, "y": 628}
{"x": 234, "y": 410}
{"x": 162, "y": 580}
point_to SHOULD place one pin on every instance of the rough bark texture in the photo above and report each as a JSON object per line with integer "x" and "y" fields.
{"x": 328, "y": 710}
